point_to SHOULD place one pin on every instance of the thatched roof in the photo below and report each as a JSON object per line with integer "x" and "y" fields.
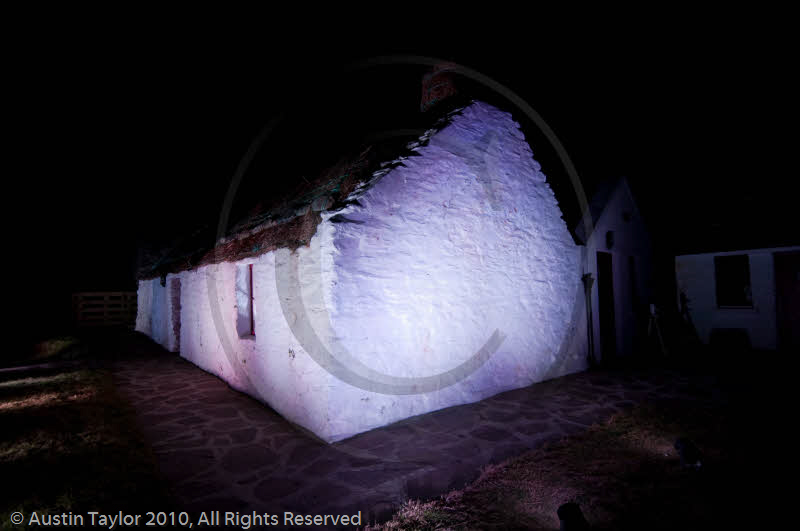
{"x": 291, "y": 220}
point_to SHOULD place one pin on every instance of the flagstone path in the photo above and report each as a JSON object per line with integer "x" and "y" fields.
{"x": 222, "y": 450}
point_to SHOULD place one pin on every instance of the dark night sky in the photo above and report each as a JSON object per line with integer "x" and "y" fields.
{"x": 129, "y": 137}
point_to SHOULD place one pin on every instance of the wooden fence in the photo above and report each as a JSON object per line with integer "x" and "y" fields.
{"x": 104, "y": 308}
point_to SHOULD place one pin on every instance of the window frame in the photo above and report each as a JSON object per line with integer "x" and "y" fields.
{"x": 245, "y": 301}
{"x": 251, "y": 309}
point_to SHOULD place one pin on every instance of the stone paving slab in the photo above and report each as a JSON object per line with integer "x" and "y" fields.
{"x": 223, "y": 450}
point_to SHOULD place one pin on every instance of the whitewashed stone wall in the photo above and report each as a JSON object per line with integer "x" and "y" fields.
{"x": 156, "y": 312}
{"x": 462, "y": 247}
{"x": 144, "y": 307}
{"x": 272, "y": 365}
{"x": 464, "y": 240}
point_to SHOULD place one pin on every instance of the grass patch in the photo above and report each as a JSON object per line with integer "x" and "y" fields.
{"x": 69, "y": 444}
{"x": 53, "y": 349}
{"x": 624, "y": 473}
{"x": 64, "y": 347}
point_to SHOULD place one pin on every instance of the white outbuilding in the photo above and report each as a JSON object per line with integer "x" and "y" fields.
{"x": 751, "y": 296}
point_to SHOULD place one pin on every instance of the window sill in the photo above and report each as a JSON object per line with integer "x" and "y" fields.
{"x": 248, "y": 337}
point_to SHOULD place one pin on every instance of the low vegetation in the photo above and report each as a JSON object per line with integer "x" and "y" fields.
{"x": 68, "y": 443}
{"x": 60, "y": 348}
{"x": 624, "y": 474}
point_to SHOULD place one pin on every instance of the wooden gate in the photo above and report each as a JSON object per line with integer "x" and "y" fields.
{"x": 104, "y": 308}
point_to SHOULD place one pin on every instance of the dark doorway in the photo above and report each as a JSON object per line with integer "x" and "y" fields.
{"x": 175, "y": 295}
{"x": 605, "y": 292}
{"x": 637, "y": 322}
{"x": 787, "y": 288}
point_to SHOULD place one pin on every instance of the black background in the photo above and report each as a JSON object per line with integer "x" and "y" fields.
{"x": 128, "y": 133}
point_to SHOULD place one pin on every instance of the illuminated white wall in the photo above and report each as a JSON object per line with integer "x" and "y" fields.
{"x": 144, "y": 307}
{"x": 464, "y": 241}
{"x": 155, "y": 313}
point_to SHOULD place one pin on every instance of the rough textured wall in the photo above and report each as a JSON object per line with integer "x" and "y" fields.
{"x": 462, "y": 251}
{"x": 695, "y": 276}
{"x": 271, "y": 366}
{"x": 208, "y": 323}
{"x": 165, "y": 311}
{"x": 144, "y": 302}
{"x": 156, "y": 313}
{"x": 464, "y": 241}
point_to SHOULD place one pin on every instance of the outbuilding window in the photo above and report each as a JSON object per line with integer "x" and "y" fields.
{"x": 733, "y": 281}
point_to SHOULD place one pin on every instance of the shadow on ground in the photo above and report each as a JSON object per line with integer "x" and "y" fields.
{"x": 222, "y": 450}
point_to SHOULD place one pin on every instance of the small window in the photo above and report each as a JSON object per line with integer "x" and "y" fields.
{"x": 245, "y": 301}
{"x": 733, "y": 281}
